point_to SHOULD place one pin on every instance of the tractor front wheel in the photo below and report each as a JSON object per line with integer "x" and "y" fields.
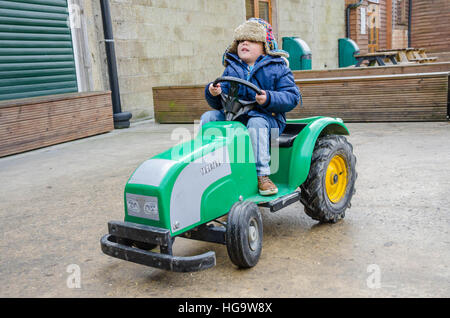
{"x": 244, "y": 234}
{"x": 330, "y": 185}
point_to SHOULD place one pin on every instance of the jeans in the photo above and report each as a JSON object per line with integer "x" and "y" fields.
{"x": 259, "y": 130}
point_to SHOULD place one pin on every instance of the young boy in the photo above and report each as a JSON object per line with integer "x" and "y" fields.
{"x": 254, "y": 56}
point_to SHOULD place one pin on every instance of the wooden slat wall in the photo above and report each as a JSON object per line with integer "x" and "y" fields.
{"x": 32, "y": 123}
{"x": 431, "y": 25}
{"x": 379, "y": 70}
{"x": 404, "y": 97}
{"x": 382, "y": 40}
{"x": 385, "y": 25}
{"x": 355, "y": 26}
{"x": 388, "y": 26}
{"x": 443, "y": 56}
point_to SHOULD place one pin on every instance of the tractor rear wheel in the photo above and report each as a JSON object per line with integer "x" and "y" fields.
{"x": 330, "y": 185}
{"x": 244, "y": 234}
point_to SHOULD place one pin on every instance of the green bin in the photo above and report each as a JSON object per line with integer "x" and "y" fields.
{"x": 300, "y": 56}
{"x": 347, "y": 50}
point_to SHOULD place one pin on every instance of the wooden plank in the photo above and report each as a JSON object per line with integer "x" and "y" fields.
{"x": 424, "y": 59}
{"x": 55, "y": 139}
{"x": 388, "y": 25}
{"x": 443, "y": 56}
{"x": 430, "y": 25}
{"x": 393, "y": 97}
{"x": 33, "y": 123}
{"x": 49, "y": 98}
{"x": 380, "y": 70}
{"x": 69, "y": 131}
{"x": 52, "y": 108}
{"x": 381, "y": 54}
{"x": 370, "y": 78}
{"x": 33, "y": 127}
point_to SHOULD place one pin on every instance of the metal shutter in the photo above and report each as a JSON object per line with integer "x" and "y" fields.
{"x": 36, "y": 54}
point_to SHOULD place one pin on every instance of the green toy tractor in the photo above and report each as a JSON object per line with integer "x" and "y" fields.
{"x": 206, "y": 189}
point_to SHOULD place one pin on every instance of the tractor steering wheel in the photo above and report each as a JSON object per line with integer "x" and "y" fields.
{"x": 232, "y": 105}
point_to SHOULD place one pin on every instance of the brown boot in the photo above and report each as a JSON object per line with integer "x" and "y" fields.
{"x": 266, "y": 186}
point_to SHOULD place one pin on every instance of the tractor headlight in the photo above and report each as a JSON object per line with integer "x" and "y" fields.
{"x": 142, "y": 206}
{"x": 151, "y": 207}
{"x": 133, "y": 206}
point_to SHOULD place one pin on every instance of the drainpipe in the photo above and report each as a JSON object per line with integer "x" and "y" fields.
{"x": 121, "y": 119}
{"x": 349, "y": 7}
{"x": 409, "y": 22}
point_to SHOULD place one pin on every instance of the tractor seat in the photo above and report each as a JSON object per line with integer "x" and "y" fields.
{"x": 286, "y": 139}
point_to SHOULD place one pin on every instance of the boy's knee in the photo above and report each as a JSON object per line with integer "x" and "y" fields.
{"x": 258, "y": 122}
{"x": 212, "y": 115}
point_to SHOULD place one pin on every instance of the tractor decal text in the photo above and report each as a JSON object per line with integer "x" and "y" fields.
{"x": 210, "y": 167}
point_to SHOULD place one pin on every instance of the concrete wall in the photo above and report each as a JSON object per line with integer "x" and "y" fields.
{"x": 181, "y": 42}
{"x": 96, "y": 44}
{"x": 320, "y": 23}
{"x": 164, "y": 42}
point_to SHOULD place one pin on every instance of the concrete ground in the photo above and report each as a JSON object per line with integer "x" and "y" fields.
{"x": 394, "y": 242}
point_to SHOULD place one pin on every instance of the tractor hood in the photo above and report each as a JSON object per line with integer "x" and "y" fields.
{"x": 185, "y": 185}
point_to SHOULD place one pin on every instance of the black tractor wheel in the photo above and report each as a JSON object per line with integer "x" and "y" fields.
{"x": 244, "y": 234}
{"x": 330, "y": 185}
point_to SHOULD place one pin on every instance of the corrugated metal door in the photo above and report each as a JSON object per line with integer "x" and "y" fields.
{"x": 36, "y": 54}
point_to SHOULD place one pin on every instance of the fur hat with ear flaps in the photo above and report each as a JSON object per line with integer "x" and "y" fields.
{"x": 257, "y": 30}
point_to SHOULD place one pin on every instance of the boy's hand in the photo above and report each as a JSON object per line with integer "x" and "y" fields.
{"x": 215, "y": 90}
{"x": 261, "y": 99}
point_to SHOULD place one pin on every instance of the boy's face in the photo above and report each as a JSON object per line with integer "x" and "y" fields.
{"x": 249, "y": 51}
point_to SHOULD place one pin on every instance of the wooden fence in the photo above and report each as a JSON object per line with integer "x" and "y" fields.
{"x": 430, "y": 28}
{"x": 379, "y": 70}
{"x": 379, "y": 94}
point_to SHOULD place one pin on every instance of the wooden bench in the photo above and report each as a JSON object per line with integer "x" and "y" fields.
{"x": 420, "y": 56}
{"x": 376, "y": 98}
{"x": 411, "y": 55}
{"x": 31, "y": 123}
{"x": 402, "y": 54}
{"x": 376, "y": 58}
{"x": 442, "y": 56}
{"x": 424, "y": 59}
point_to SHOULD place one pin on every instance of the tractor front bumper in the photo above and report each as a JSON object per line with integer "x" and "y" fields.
{"x": 118, "y": 243}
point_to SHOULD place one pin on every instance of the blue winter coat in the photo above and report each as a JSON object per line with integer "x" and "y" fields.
{"x": 270, "y": 74}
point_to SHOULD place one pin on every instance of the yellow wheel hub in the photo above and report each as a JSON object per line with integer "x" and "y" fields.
{"x": 336, "y": 179}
